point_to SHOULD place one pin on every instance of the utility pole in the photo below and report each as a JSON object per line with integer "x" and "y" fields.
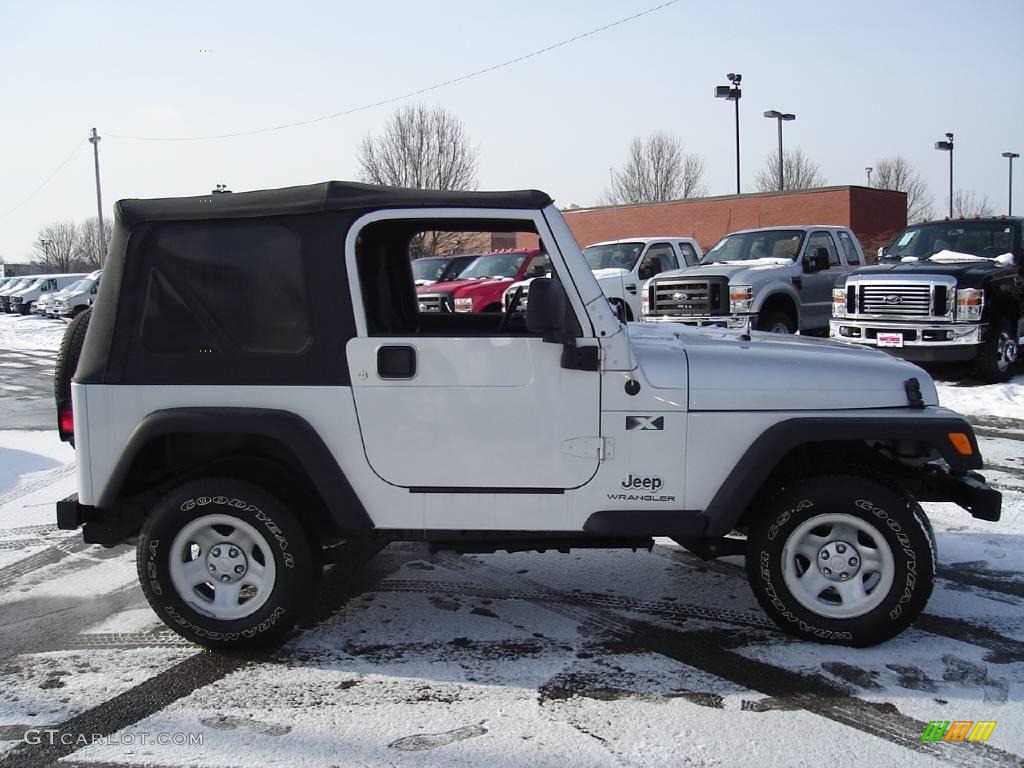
{"x": 1009, "y": 205}
{"x": 947, "y": 146}
{"x": 94, "y": 139}
{"x": 869, "y": 169}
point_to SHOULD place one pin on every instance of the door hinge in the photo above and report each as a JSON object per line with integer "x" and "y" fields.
{"x": 600, "y": 448}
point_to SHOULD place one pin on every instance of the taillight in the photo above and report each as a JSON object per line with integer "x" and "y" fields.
{"x": 66, "y": 423}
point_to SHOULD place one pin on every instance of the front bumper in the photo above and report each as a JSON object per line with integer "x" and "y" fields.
{"x": 733, "y": 322}
{"x": 968, "y": 490}
{"x": 922, "y": 342}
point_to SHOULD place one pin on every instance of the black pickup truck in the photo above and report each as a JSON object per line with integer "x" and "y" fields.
{"x": 943, "y": 291}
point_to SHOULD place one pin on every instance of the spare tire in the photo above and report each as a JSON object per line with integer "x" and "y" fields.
{"x": 67, "y": 359}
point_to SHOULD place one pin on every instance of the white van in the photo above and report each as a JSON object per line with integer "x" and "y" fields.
{"x": 22, "y": 300}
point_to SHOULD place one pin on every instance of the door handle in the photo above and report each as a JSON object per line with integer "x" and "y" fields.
{"x": 396, "y": 362}
{"x": 631, "y": 288}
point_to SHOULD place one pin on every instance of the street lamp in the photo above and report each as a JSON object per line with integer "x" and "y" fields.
{"x": 869, "y": 169}
{"x": 780, "y": 116}
{"x": 733, "y": 93}
{"x": 46, "y": 250}
{"x": 1009, "y": 198}
{"x": 947, "y": 146}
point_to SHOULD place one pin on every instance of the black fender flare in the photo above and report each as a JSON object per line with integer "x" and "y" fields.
{"x": 291, "y": 430}
{"x": 750, "y": 473}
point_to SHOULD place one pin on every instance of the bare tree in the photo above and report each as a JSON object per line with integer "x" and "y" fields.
{"x": 55, "y": 247}
{"x": 967, "y": 203}
{"x": 656, "y": 169}
{"x": 90, "y": 252}
{"x": 421, "y": 148}
{"x": 898, "y": 174}
{"x": 800, "y": 172}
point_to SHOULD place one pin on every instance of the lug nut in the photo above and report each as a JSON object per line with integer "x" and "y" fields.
{"x": 827, "y": 571}
{"x": 852, "y": 561}
{"x": 225, "y": 577}
{"x": 213, "y": 568}
{"x": 844, "y": 575}
{"x": 840, "y": 548}
{"x": 232, "y": 552}
{"x": 824, "y": 554}
{"x": 239, "y": 570}
{"x": 216, "y": 552}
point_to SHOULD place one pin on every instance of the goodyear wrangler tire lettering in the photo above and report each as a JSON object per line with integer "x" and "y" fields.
{"x": 225, "y": 508}
{"x": 791, "y": 516}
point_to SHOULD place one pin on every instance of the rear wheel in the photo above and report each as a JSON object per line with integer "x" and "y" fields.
{"x": 776, "y": 322}
{"x": 841, "y": 559}
{"x": 225, "y": 564}
{"x": 999, "y": 353}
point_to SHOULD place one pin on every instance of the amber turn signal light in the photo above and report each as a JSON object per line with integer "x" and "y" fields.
{"x": 961, "y": 442}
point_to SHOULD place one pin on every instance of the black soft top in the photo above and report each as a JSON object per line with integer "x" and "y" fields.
{"x": 314, "y": 198}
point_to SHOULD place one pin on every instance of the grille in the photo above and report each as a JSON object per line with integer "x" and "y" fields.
{"x": 683, "y": 298}
{"x": 435, "y": 302}
{"x": 521, "y": 306}
{"x": 896, "y": 300}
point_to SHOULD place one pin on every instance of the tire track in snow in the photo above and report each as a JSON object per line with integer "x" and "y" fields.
{"x": 712, "y": 652}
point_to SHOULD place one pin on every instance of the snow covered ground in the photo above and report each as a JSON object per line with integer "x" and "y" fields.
{"x": 598, "y": 658}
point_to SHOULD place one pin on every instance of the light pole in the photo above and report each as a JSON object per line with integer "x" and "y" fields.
{"x": 94, "y": 139}
{"x": 869, "y": 169}
{"x": 1009, "y": 198}
{"x": 46, "y": 251}
{"x": 947, "y": 146}
{"x": 733, "y": 93}
{"x": 781, "y": 117}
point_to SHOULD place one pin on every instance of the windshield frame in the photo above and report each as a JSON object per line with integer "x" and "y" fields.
{"x": 781, "y": 234}
{"x": 896, "y": 252}
{"x": 610, "y": 248}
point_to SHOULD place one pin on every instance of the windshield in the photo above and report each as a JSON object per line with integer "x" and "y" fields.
{"x": 453, "y": 269}
{"x": 430, "y": 268}
{"x": 78, "y": 287}
{"x": 33, "y": 284}
{"x": 494, "y": 265}
{"x": 17, "y": 285}
{"x": 613, "y": 255}
{"x": 747, "y": 246}
{"x": 987, "y": 239}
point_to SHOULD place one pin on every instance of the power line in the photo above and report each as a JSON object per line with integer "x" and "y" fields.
{"x": 45, "y": 181}
{"x": 404, "y": 96}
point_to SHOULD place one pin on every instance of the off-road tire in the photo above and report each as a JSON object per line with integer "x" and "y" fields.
{"x": 24, "y": 309}
{"x": 989, "y": 366}
{"x": 67, "y": 359}
{"x": 894, "y": 516}
{"x": 295, "y": 566}
{"x": 624, "y": 312}
{"x": 769, "y": 321}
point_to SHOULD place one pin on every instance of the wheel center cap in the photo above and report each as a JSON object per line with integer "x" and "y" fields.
{"x": 838, "y": 561}
{"x": 226, "y": 563}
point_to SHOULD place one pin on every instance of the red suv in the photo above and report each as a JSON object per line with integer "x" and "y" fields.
{"x": 479, "y": 287}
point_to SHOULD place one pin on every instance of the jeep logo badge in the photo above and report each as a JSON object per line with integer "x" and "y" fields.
{"x": 632, "y": 482}
{"x": 893, "y": 299}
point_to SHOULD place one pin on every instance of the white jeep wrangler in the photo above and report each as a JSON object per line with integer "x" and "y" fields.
{"x": 255, "y": 384}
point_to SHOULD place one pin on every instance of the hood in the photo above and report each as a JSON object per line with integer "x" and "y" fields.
{"x": 457, "y": 287}
{"x": 965, "y": 272}
{"x": 609, "y": 273}
{"x": 727, "y": 371}
{"x": 737, "y": 272}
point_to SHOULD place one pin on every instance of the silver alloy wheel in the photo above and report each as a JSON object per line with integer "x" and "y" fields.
{"x": 838, "y": 566}
{"x": 222, "y": 567}
{"x": 778, "y": 328}
{"x": 1007, "y": 350}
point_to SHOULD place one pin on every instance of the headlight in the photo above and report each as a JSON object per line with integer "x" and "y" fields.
{"x": 645, "y": 302}
{"x": 969, "y": 303}
{"x": 464, "y": 305}
{"x": 838, "y": 302}
{"x": 740, "y": 297}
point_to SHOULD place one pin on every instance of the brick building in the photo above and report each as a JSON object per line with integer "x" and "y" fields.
{"x": 875, "y": 216}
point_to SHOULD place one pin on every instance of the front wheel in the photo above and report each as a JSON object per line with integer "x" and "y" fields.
{"x": 225, "y": 565}
{"x": 999, "y": 353}
{"x": 776, "y": 322}
{"x": 841, "y": 559}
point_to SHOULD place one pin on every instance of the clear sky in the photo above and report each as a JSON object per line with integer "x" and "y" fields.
{"x": 866, "y": 79}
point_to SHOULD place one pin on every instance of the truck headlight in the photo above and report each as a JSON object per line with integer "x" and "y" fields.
{"x": 464, "y": 305}
{"x": 645, "y": 302}
{"x": 969, "y": 303}
{"x": 740, "y": 297}
{"x": 838, "y": 302}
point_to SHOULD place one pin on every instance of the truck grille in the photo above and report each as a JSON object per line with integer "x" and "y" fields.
{"x": 898, "y": 300}
{"x": 684, "y": 298}
{"x": 521, "y": 306}
{"x": 435, "y": 302}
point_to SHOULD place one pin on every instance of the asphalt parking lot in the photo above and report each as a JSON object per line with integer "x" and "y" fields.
{"x": 597, "y": 658}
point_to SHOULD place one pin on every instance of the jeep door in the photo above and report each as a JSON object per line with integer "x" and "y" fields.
{"x": 816, "y": 291}
{"x": 460, "y": 403}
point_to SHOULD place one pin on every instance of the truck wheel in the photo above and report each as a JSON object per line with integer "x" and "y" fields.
{"x": 67, "y": 360}
{"x": 24, "y": 308}
{"x": 225, "y": 564}
{"x": 776, "y": 322}
{"x": 622, "y": 309}
{"x": 999, "y": 353}
{"x": 841, "y": 558}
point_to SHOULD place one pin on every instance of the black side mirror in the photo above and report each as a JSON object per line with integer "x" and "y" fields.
{"x": 545, "y": 311}
{"x": 817, "y": 260}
